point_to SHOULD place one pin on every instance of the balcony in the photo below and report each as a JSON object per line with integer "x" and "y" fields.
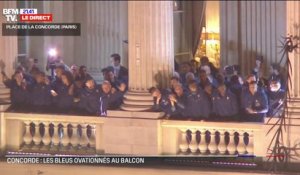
{"x": 139, "y": 134}
{"x": 135, "y": 133}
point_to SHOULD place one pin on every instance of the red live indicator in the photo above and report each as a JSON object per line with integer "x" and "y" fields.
{"x": 36, "y": 17}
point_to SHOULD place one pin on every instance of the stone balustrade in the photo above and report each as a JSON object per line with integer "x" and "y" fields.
{"x": 211, "y": 138}
{"x": 135, "y": 133}
{"x": 53, "y": 134}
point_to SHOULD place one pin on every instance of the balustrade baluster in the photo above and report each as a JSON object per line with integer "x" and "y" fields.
{"x": 92, "y": 139}
{"x": 193, "y": 144}
{"x": 37, "y": 138}
{"x": 75, "y": 136}
{"x": 46, "y": 138}
{"x": 231, "y": 147}
{"x": 212, "y": 146}
{"x": 55, "y": 138}
{"x": 27, "y": 138}
{"x": 183, "y": 146}
{"x": 222, "y": 145}
{"x": 241, "y": 147}
{"x": 203, "y": 144}
{"x": 84, "y": 140}
{"x": 65, "y": 137}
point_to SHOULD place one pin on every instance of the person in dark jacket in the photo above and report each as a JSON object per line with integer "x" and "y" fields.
{"x": 19, "y": 93}
{"x": 257, "y": 71}
{"x": 89, "y": 97}
{"x": 57, "y": 81}
{"x": 224, "y": 104}
{"x": 41, "y": 94}
{"x": 83, "y": 75}
{"x": 254, "y": 103}
{"x": 198, "y": 104}
{"x": 121, "y": 73}
{"x": 178, "y": 103}
{"x": 276, "y": 97}
{"x": 173, "y": 82}
{"x": 204, "y": 61}
{"x": 161, "y": 101}
{"x": 30, "y": 80}
{"x": 276, "y": 74}
{"x": 115, "y": 83}
{"x": 110, "y": 98}
{"x": 63, "y": 95}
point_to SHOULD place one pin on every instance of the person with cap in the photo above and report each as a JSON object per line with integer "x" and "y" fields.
{"x": 189, "y": 77}
{"x": 198, "y": 104}
{"x": 275, "y": 74}
{"x": 276, "y": 97}
{"x": 110, "y": 98}
{"x": 178, "y": 102}
{"x": 224, "y": 104}
{"x": 254, "y": 103}
{"x": 161, "y": 101}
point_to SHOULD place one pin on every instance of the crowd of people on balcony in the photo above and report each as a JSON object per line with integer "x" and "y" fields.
{"x": 206, "y": 93}
{"x": 67, "y": 90}
{"x": 196, "y": 91}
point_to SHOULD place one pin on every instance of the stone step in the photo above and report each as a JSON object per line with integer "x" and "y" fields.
{"x": 138, "y": 96}
{"x": 138, "y": 102}
{"x": 135, "y": 108}
{"x": 3, "y": 107}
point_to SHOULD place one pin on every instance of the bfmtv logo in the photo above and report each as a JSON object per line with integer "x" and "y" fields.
{"x": 12, "y": 14}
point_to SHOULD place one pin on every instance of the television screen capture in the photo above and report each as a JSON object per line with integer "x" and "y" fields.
{"x": 149, "y": 87}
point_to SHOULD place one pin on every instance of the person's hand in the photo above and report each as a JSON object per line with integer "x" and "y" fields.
{"x": 122, "y": 87}
{"x": 47, "y": 81}
{"x": 280, "y": 102}
{"x": 251, "y": 111}
{"x": 172, "y": 98}
{"x": 53, "y": 93}
{"x": 76, "y": 100}
{"x": 113, "y": 90}
{"x": 157, "y": 100}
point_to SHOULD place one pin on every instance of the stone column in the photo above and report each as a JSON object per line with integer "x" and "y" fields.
{"x": 151, "y": 51}
{"x": 8, "y": 44}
